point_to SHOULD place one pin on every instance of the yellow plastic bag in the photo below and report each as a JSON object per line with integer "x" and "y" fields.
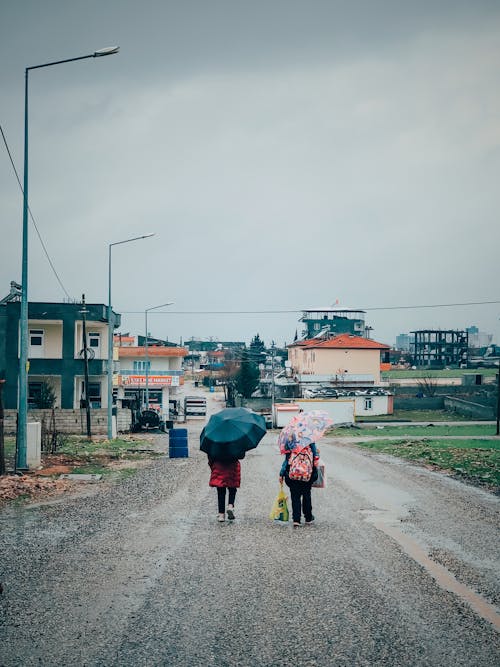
{"x": 279, "y": 510}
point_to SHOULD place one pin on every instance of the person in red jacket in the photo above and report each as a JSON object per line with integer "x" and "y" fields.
{"x": 225, "y": 475}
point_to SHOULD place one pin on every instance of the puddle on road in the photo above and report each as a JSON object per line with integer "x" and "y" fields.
{"x": 395, "y": 505}
{"x": 385, "y": 521}
{"x": 441, "y": 575}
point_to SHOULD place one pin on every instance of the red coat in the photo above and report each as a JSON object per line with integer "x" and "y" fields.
{"x": 225, "y": 473}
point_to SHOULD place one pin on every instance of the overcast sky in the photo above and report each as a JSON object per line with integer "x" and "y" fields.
{"x": 285, "y": 153}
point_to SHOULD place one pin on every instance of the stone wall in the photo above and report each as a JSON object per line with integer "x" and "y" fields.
{"x": 72, "y": 421}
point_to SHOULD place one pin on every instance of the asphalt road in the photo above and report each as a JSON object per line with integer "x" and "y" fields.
{"x": 401, "y": 568}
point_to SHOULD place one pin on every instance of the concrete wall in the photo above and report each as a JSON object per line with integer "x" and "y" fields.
{"x": 353, "y": 362}
{"x": 407, "y": 403}
{"x": 381, "y": 405}
{"x": 475, "y": 401}
{"x": 468, "y": 408}
{"x": 71, "y": 421}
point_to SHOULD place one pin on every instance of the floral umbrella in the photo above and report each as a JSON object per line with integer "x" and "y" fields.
{"x": 303, "y": 429}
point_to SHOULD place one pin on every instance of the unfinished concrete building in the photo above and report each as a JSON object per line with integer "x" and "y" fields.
{"x": 439, "y": 348}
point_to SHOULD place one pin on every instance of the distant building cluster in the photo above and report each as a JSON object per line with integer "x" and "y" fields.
{"x": 335, "y": 356}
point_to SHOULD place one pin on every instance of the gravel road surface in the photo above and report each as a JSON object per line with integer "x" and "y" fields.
{"x": 401, "y": 568}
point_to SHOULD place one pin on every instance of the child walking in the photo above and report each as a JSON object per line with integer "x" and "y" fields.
{"x": 225, "y": 475}
{"x": 300, "y": 489}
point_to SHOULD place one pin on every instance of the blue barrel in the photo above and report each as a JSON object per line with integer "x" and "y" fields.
{"x": 178, "y": 451}
{"x": 178, "y": 434}
{"x": 178, "y": 443}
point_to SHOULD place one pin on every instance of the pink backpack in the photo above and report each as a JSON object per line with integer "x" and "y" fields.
{"x": 301, "y": 465}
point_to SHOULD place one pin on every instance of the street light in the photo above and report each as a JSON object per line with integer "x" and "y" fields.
{"x": 111, "y": 327}
{"x": 21, "y": 460}
{"x": 170, "y": 303}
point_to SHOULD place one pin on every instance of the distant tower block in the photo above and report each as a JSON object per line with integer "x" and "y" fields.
{"x": 438, "y": 348}
{"x": 333, "y": 320}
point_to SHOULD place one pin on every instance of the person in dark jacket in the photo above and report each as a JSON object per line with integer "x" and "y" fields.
{"x": 225, "y": 475}
{"x": 300, "y": 491}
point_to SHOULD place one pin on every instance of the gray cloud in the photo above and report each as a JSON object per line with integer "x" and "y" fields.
{"x": 285, "y": 154}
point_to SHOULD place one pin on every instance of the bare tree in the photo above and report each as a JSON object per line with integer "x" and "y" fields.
{"x": 428, "y": 384}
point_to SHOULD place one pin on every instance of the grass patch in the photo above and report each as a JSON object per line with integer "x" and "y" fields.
{"x": 408, "y": 430}
{"x": 416, "y": 416}
{"x": 92, "y": 469}
{"x": 476, "y": 461}
{"x": 119, "y": 448}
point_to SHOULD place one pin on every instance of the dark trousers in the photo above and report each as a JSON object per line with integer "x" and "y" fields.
{"x": 221, "y": 497}
{"x": 301, "y": 499}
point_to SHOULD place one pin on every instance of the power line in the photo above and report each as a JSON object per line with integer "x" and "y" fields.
{"x": 301, "y": 310}
{"x": 31, "y": 215}
{"x": 435, "y": 305}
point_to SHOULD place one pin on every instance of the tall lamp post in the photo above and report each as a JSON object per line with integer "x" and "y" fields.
{"x": 273, "y": 386}
{"x": 21, "y": 461}
{"x": 111, "y": 328}
{"x": 170, "y": 303}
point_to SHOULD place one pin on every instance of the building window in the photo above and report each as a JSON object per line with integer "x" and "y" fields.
{"x": 94, "y": 344}
{"x": 142, "y": 365}
{"x": 368, "y": 404}
{"x": 34, "y": 393}
{"x": 36, "y": 339}
{"x": 95, "y": 341}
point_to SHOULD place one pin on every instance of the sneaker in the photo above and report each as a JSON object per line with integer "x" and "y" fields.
{"x": 221, "y": 518}
{"x": 296, "y": 524}
{"x": 311, "y": 521}
{"x": 230, "y": 513}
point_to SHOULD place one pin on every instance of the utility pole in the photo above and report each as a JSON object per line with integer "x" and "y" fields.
{"x": 2, "y": 449}
{"x": 86, "y": 366}
{"x": 498, "y": 402}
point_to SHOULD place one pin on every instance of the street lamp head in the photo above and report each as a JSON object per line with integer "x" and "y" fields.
{"x": 135, "y": 238}
{"x": 108, "y": 51}
{"x": 170, "y": 303}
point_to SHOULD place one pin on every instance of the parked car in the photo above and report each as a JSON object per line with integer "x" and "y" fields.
{"x": 326, "y": 391}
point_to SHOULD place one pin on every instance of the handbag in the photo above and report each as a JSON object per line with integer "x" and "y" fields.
{"x": 320, "y": 481}
{"x": 279, "y": 511}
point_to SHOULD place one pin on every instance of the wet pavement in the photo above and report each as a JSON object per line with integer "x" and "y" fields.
{"x": 401, "y": 568}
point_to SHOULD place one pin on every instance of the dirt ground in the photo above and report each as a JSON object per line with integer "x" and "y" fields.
{"x": 45, "y": 481}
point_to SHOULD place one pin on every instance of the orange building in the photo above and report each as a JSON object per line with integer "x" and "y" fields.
{"x": 162, "y": 365}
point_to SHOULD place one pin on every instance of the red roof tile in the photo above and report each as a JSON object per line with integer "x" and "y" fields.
{"x": 344, "y": 341}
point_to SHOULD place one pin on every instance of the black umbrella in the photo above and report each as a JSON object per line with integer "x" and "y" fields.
{"x": 231, "y": 432}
